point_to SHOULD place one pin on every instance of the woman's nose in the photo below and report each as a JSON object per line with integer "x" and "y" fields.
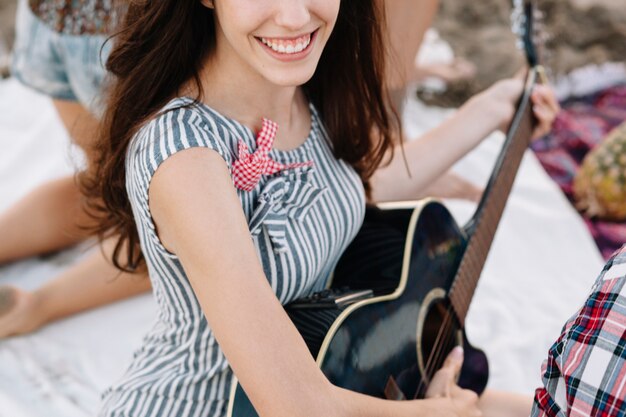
{"x": 292, "y": 14}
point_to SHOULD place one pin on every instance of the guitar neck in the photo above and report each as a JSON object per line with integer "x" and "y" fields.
{"x": 483, "y": 225}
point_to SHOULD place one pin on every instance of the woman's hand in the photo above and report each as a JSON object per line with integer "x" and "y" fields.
{"x": 501, "y": 98}
{"x": 19, "y": 312}
{"x": 452, "y": 400}
{"x": 545, "y": 107}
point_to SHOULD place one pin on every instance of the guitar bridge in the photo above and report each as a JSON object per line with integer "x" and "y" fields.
{"x": 332, "y": 298}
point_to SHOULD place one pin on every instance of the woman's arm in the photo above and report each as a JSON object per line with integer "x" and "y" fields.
{"x": 199, "y": 217}
{"x": 436, "y": 151}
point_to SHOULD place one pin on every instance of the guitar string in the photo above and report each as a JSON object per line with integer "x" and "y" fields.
{"x": 438, "y": 348}
{"x": 443, "y": 339}
{"x": 429, "y": 364}
{"x": 438, "y": 352}
{"x": 442, "y": 353}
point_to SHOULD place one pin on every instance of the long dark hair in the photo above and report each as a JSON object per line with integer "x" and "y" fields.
{"x": 162, "y": 45}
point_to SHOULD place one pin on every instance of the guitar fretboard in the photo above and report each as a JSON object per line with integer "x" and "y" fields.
{"x": 484, "y": 223}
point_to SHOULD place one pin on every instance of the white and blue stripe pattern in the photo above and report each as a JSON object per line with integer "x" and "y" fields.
{"x": 300, "y": 220}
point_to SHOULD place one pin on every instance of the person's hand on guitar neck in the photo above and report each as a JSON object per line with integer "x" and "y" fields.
{"x": 437, "y": 150}
{"x": 501, "y": 99}
{"x": 451, "y": 400}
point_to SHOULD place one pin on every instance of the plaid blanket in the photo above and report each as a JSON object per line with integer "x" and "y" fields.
{"x": 582, "y": 124}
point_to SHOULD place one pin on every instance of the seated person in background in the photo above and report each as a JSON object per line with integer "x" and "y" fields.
{"x": 59, "y": 51}
{"x": 585, "y": 373}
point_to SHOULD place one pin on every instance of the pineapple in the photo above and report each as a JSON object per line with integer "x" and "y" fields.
{"x": 600, "y": 184}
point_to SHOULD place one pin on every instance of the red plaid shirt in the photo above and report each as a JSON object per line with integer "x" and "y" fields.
{"x": 585, "y": 374}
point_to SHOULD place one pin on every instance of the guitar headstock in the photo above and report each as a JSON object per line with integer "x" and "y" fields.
{"x": 527, "y": 24}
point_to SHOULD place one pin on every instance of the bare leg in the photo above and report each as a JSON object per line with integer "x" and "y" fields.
{"x": 91, "y": 283}
{"x": 49, "y": 218}
{"x": 407, "y": 21}
{"x": 45, "y": 220}
{"x": 505, "y": 404}
{"x": 80, "y": 124}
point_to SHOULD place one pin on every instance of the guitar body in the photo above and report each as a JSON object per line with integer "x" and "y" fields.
{"x": 393, "y": 336}
{"x": 386, "y": 345}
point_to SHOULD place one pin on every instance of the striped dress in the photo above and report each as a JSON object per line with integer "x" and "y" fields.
{"x": 300, "y": 220}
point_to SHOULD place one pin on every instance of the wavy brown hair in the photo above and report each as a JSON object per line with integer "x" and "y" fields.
{"x": 162, "y": 46}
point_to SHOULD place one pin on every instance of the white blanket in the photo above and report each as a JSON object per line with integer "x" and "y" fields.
{"x": 538, "y": 272}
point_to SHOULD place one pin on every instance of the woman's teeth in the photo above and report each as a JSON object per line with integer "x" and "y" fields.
{"x": 291, "y": 46}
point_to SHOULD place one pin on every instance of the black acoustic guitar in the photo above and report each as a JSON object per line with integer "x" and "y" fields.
{"x": 401, "y": 291}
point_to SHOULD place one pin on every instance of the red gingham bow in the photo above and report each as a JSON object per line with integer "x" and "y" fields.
{"x": 249, "y": 168}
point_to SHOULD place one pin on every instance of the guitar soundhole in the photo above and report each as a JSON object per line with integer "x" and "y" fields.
{"x": 440, "y": 335}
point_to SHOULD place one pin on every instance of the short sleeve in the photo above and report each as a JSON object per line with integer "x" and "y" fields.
{"x": 174, "y": 130}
